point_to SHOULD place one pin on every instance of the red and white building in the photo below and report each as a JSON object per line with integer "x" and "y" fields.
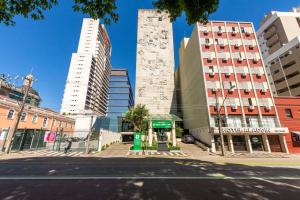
{"x": 289, "y": 115}
{"x": 221, "y": 61}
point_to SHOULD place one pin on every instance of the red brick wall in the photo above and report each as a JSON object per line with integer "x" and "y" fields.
{"x": 293, "y": 124}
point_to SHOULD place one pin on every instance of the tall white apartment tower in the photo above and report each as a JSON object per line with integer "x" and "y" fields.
{"x": 87, "y": 84}
{"x": 155, "y": 62}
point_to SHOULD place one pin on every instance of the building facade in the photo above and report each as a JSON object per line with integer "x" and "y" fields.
{"x": 120, "y": 98}
{"x": 289, "y": 116}
{"x": 17, "y": 93}
{"x": 34, "y": 123}
{"x": 88, "y": 79}
{"x": 279, "y": 40}
{"x": 86, "y": 91}
{"x": 155, "y": 62}
{"x": 221, "y": 62}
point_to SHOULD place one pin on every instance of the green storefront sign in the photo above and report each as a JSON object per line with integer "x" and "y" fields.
{"x": 137, "y": 142}
{"x": 161, "y": 124}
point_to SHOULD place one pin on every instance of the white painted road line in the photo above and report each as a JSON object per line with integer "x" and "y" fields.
{"x": 268, "y": 179}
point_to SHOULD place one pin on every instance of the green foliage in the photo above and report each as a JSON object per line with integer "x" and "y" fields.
{"x": 195, "y": 10}
{"x": 170, "y": 147}
{"x": 145, "y": 146}
{"x": 179, "y": 131}
{"x": 136, "y": 116}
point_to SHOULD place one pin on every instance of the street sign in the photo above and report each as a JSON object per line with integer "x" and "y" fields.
{"x": 161, "y": 124}
{"x": 137, "y": 141}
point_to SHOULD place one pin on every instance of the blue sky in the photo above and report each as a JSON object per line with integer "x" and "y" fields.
{"x": 46, "y": 46}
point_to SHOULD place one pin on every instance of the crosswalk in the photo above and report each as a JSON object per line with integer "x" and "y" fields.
{"x": 156, "y": 153}
{"x": 48, "y": 153}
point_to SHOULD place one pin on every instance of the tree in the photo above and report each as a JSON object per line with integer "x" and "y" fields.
{"x": 195, "y": 10}
{"x": 136, "y": 116}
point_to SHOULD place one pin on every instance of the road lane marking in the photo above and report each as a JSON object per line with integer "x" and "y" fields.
{"x": 267, "y": 179}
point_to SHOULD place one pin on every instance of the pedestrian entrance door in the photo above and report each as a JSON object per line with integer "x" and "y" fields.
{"x": 239, "y": 143}
{"x": 256, "y": 142}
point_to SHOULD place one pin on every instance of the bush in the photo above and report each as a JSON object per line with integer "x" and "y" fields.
{"x": 179, "y": 131}
{"x": 170, "y": 147}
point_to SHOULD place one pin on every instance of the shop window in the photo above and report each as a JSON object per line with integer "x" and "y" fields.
{"x": 295, "y": 137}
{"x": 10, "y": 114}
{"x": 288, "y": 113}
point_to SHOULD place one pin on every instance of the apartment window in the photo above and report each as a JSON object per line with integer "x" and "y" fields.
{"x": 35, "y": 118}
{"x": 233, "y": 29}
{"x": 219, "y": 28}
{"x": 44, "y": 122}
{"x": 289, "y": 64}
{"x": 250, "y": 102}
{"x": 276, "y": 71}
{"x": 23, "y": 116}
{"x": 252, "y": 122}
{"x": 292, "y": 75}
{"x": 269, "y": 122}
{"x": 223, "y": 122}
{"x": 207, "y": 40}
{"x": 243, "y": 30}
{"x": 288, "y": 113}
{"x": 10, "y": 114}
{"x": 233, "y": 121}
{"x": 282, "y": 90}
{"x": 216, "y": 41}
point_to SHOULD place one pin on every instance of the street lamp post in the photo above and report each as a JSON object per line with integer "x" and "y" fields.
{"x": 11, "y": 134}
{"x": 219, "y": 108}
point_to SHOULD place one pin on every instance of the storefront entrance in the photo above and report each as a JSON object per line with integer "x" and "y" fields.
{"x": 257, "y": 142}
{"x": 239, "y": 143}
{"x": 161, "y": 135}
{"x": 274, "y": 143}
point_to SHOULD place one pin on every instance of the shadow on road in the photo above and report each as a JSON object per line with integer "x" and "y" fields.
{"x": 143, "y": 178}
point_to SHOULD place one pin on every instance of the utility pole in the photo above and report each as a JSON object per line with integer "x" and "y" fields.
{"x": 219, "y": 125}
{"x": 11, "y": 134}
{"x": 219, "y": 108}
{"x": 87, "y": 149}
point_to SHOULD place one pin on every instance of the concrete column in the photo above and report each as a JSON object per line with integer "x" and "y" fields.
{"x": 174, "y": 135}
{"x": 230, "y": 143}
{"x": 150, "y": 135}
{"x": 248, "y": 144}
{"x": 283, "y": 143}
{"x": 266, "y": 143}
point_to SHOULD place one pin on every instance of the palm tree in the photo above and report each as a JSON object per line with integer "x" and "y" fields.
{"x": 136, "y": 116}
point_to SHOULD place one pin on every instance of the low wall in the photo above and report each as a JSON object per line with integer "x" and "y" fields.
{"x": 110, "y": 137}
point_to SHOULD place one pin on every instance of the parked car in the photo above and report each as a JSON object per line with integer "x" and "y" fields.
{"x": 189, "y": 139}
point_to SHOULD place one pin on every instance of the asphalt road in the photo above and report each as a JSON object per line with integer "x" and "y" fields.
{"x": 143, "y": 178}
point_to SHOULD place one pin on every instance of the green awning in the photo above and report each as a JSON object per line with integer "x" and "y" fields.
{"x": 164, "y": 117}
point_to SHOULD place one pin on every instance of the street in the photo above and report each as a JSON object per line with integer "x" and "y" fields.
{"x": 143, "y": 178}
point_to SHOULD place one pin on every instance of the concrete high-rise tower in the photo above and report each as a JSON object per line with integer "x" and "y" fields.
{"x": 87, "y": 85}
{"x": 88, "y": 79}
{"x": 155, "y": 62}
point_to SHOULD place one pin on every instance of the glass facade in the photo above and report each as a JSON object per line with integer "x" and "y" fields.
{"x": 120, "y": 99}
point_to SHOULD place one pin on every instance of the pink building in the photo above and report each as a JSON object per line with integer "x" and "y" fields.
{"x": 222, "y": 62}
